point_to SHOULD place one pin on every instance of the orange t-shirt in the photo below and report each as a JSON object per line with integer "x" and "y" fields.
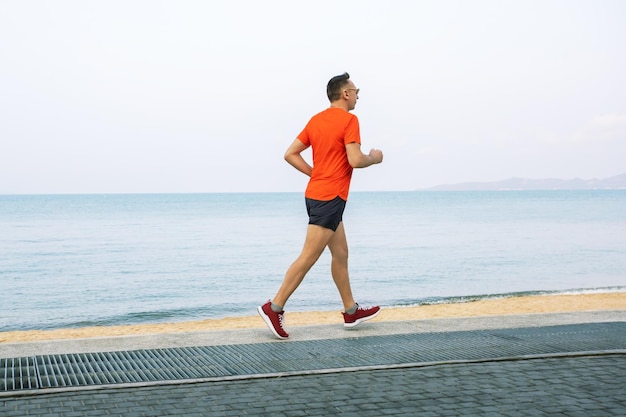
{"x": 328, "y": 133}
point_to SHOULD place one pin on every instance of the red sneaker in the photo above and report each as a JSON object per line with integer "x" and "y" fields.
{"x": 273, "y": 320}
{"x": 360, "y": 315}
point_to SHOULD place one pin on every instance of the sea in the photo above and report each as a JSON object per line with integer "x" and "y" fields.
{"x": 112, "y": 259}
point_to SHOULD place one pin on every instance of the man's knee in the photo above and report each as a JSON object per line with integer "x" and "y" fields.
{"x": 339, "y": 253}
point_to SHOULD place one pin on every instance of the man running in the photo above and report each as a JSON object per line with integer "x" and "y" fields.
{"x": 334, "y": 137}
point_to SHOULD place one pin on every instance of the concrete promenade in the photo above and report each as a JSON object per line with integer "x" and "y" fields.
{"x": 570, "y": 364}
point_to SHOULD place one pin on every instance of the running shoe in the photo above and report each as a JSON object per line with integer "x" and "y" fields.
{"x": 360, "y": 315}
{"x": 273, "y": 320}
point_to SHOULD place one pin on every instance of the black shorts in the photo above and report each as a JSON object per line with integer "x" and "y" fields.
{"x": 327, "y": 214}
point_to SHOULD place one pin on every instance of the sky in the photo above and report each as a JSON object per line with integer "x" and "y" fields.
{"x": 200, "y": 96}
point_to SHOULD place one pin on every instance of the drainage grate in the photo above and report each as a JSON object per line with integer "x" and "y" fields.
{"x": 141, "y": 366}
{"x": 18, "y": 374}
{"x": 126, "y": 367}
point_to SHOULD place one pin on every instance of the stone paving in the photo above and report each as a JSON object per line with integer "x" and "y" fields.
{"x": 592, "y": 386}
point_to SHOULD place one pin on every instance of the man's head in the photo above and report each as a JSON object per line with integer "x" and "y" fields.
{"x": 341, "y": 89}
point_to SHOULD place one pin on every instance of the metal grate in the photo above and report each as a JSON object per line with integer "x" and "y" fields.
{"x": 126, "y": 367}
{"x": 140, "y": 366}
{"x": 18, "y": 374}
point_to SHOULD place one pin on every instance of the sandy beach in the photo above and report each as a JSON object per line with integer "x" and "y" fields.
{"x": 492, "y": 307}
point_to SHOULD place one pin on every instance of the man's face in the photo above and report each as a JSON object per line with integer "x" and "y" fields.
{"x": 352, "y": 93}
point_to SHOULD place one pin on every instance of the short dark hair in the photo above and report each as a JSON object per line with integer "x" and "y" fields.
{"x": 333, "y": 89}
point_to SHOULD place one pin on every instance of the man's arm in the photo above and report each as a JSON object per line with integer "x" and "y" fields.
{"x": 358, "y": 159}
{"x": 295, "y": 159}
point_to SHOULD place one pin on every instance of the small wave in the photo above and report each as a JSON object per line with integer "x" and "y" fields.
{"x": 473, "y": 298}
{"x": 144, "y": 317}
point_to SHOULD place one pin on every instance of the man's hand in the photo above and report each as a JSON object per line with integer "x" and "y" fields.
{"x": 376, "y": 155}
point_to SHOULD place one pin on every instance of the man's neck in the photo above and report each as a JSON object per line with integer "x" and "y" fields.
{"x": 339, "y": 104}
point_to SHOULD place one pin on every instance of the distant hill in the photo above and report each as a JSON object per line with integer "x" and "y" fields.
{"x": 613, "y": 183}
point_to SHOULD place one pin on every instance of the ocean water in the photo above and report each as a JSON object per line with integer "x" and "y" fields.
{"x": 83, "y": 260}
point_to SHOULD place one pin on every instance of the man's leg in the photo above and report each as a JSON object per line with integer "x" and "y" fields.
{"x": 317, "y": 237}
{"x": 353, "y": 313}
{"x": 338, "y": 246}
